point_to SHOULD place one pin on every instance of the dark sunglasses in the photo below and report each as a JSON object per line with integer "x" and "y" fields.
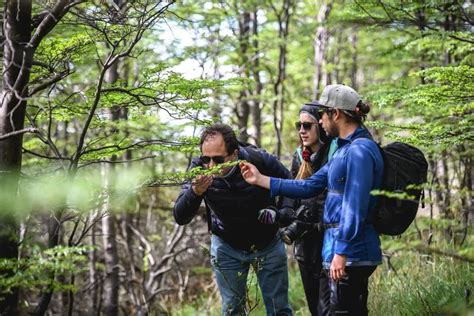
{"x": 306, "y": 125}
{"x": 217, "y": 159}
{"x": 323, "y": 110}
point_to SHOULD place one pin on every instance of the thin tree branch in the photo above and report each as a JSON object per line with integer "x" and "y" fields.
{"x": 21, "y": 131}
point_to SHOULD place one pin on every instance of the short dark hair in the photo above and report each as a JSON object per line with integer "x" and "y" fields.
{"x": 230, "y": 140}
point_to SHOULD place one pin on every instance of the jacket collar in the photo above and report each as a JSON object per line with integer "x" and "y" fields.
{"x": 360, "y": 132}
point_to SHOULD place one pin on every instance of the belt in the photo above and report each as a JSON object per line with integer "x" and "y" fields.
{"x": 321, "y": 226}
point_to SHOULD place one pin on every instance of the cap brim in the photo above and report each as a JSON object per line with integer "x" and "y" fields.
{"x": 314, "y": 103}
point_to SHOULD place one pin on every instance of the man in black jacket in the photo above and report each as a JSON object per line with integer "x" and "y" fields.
{"x": 238, "y": 238}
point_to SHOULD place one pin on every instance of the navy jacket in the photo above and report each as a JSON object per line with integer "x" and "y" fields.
{"x": 355, "y": 169}
{"x": 234, "y": 204}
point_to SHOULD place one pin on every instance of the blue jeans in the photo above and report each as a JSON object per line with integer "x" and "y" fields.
{"x": 231, "y": 267}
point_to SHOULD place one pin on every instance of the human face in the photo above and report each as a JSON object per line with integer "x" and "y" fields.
{"x": 310, "y": 137}
{"x": 214, "y": 146}
{"x": 328, "y": 123}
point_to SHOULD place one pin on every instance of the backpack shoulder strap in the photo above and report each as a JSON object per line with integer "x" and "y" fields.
{"x": 255, "y": 155}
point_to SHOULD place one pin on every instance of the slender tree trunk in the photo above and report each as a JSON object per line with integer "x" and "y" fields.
{"x": 279, "y": 86}
{"x": 111, "y": 281}
{"x": 54, "y": 227}
{"x": 256, "y": 109}
{"x": 421, "y": 21}
{"x": 467, "y": 187}
{"x": 446, "y": 184}
{"x": 215, "y": 110}
{"x": 437, "y": 184}
{"x": 243, "y": 110}
{"x": 93, "y": 275}
{"x": 320, "y": 44}
{"x": 353, "y": 40}
{"x": 334, "y": 76}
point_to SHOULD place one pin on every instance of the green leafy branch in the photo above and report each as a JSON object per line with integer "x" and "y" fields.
{"x": 30, "y": 272}
{"x": 179, "y": 178}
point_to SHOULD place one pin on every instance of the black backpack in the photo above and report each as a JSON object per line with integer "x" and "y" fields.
{"x": 404, "y": 165}
{"x": 255, "y": 155}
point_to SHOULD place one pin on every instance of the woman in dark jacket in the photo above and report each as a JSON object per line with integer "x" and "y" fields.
{"x": 314, "y": 151}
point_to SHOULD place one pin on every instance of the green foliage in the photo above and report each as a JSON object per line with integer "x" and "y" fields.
{"x": 412, "y": 65}
{"x": 86, "y": 190}
{"x": 441, "y": 236}
{"x": 40, "y": 270}
{"x": 296, "y": 294}
{"x": 442, "y": 111}
{"x": 181, "y": 177}
{"x": 421, "y": 285}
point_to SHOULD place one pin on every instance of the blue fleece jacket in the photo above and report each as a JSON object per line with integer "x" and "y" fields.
{"x": 355, "y": 170}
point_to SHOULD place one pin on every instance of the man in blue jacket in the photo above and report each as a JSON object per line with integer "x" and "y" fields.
{"x": 238, "y": 239}
{"x": 351, "y": 246}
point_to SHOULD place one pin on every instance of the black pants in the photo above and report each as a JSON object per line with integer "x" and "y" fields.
{"x": 349, "y": 295}
{"x": 310, "y": 275}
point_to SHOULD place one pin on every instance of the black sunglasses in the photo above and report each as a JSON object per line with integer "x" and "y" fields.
{"x": 217, "y": 159}
{"x": 323, "y": 110}
{"x": 306, "y": 125}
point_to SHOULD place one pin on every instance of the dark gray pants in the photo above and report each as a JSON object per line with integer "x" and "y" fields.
{"x": 347, "y": 296}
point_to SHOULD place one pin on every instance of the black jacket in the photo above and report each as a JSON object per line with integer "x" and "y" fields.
{"x": 234, "y": 204}
{"x": 308, "y": 248}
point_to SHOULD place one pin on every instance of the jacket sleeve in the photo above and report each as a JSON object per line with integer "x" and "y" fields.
{"x": 355, "y": 202}
{"x": 187, "y": 203}
{"x": 301, "y": 189}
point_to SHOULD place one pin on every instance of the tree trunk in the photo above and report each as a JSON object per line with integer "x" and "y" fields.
{"x": 256, "y": 109}
{"x": 279, "y": 85}
{"x": 18, "y": 50}
{"x": 111, "y": 281}
{"x": 320, "y": 43}
{"x": 215, "y": 109}
{"x": 94, "y": 279}
{"x": 54, "y": 227}
{"x": 17, "y": 60}
{"x": 421, "y": 22}
{"x": 243, "y": 105}
{"x": 353, "y": 40}
{"x": 334, "y": 76}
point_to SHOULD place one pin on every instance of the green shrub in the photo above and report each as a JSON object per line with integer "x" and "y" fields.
{"x": 421, "y": 285}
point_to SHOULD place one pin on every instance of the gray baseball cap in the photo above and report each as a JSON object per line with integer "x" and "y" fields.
{"x": 339, "y": 96}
